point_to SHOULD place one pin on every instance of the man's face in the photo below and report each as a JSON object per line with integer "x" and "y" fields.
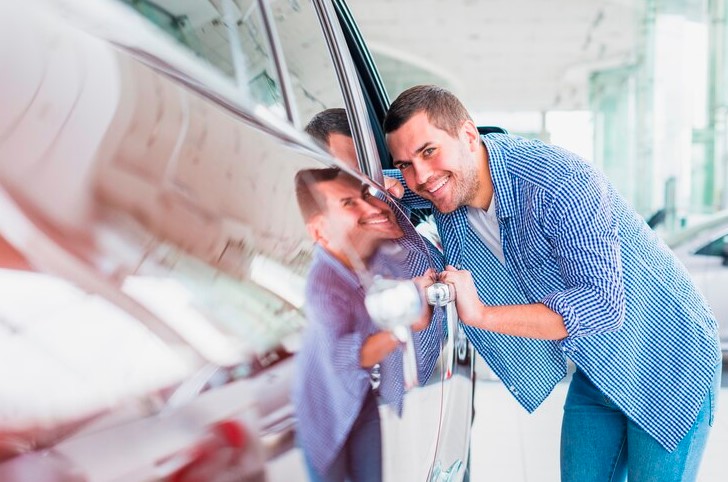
{"x": 353, "y": 219}
{"x": 342, "y": 147}
{"x": 435, "y": 165}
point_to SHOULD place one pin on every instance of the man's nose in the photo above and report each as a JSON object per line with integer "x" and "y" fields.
{"x": 373, "y": 205}
{"x": 422, "y": 172}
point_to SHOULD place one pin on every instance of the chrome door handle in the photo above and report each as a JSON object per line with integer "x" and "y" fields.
{"x": 442, "y": 294}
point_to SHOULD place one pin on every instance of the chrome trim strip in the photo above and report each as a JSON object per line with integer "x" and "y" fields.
{"x": 361, "y": 131}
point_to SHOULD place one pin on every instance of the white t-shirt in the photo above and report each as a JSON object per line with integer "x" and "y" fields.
{"x": 485, "y": 224}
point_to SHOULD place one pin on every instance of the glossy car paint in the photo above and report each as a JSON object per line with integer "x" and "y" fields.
{"x": 150, "y": 198}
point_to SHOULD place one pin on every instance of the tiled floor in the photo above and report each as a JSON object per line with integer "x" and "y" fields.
{"x": 509, "y": 445}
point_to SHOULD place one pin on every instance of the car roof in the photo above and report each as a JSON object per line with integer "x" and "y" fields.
{"x": 715, "y": 223}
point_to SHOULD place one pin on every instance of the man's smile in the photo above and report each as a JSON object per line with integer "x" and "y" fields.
{"x": 434, "y": 186}
{"x": 376, "y": 219}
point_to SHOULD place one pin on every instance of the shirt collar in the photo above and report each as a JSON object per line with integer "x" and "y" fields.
{"x": 502, "y": 184}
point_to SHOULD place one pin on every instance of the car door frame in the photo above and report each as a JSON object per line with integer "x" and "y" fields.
{"x": 451, "y": 448}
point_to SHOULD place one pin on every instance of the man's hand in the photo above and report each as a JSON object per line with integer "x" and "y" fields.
{"x": 394, "y": 187}
{"x": 422, "y": 283}
{"x": 377, "y": 347}
{"x": 470, "y": 310}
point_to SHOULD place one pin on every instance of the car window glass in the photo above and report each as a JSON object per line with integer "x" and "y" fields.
{"x": 314, "y": 81}
{"x": 227, "y": 35}
{"x": 717, "y": 247}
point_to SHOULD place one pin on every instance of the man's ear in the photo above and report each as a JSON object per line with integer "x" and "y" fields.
{"x": 469, "y": 133}
{"x": 316, "y": 228}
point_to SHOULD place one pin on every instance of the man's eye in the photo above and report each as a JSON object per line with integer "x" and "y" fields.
{"x": 403, "y": 165}
{"x": 428, "y": 152}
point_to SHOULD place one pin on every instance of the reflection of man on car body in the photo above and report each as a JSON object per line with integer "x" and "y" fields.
{"x": 338, "y": 417}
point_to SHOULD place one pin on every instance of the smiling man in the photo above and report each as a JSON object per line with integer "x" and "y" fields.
{"x": 549, "y": 262}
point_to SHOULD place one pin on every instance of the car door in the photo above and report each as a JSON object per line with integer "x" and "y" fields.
{"x": 150, "y": 200}
{"x": 411, "y": 440}
{"x": 163, "y": 182}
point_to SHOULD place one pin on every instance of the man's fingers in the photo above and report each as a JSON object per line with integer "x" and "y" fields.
{"x": 451, "y": 286}
{"x": 394, "y": 187}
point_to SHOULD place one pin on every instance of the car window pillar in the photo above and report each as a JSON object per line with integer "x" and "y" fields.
{"x": 356, "y": 109}
{"x": 279, "y": 60}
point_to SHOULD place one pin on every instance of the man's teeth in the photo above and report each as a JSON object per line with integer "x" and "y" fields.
{"x": 438, "y": 185}
{"x": 381, "y": 220}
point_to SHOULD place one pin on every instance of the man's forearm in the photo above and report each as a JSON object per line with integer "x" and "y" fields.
{"x": 531, "y": 321}
{"x": 376, "y": 348}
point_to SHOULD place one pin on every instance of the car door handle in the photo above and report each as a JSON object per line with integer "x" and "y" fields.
{"x": 442, "y": 294}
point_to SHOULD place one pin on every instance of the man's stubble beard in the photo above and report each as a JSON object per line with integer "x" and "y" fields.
{"x": 467, "y": 184}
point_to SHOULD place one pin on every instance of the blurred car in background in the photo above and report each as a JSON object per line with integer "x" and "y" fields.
{"x": 703, "y": 249}
{"x": 152, "y": 255}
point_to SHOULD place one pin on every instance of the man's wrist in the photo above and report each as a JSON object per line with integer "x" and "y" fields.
{"x": 484, "y": 314}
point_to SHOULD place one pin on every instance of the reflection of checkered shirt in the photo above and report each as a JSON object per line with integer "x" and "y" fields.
{"x": 330, "y": 385}
{"x": 411, "y": 257}
{"x": 637, "y": 326}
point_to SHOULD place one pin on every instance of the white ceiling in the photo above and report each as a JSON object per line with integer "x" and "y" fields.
{"x": 500, "y": 55}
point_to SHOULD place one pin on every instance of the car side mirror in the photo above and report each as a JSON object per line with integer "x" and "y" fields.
{"x": 724, "y": 254}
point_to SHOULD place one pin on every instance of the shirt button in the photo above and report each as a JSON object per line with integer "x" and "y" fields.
{"x": 512, "y": 388}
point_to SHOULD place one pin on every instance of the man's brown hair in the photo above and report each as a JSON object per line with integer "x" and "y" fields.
{"x": 443, "y": 109}
{"x": 310, "y": 201}
{"x": 327, "y": 122}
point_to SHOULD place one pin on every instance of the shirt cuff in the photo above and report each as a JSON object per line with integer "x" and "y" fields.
{"x": 559, "y": 303}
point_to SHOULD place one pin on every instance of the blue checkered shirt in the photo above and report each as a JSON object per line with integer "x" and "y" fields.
{"x": 637, "y": 326}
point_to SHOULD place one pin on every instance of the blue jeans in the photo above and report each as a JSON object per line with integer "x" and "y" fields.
{"x": 600, "y": 444}
{"x": 360, "y": 460}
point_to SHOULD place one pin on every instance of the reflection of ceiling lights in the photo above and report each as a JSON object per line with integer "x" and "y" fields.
{"x": 278, "y": 279}
{"x": 173, "y": 303}
{"x": 227, "y": 319}
{"x": 65, "y": 354}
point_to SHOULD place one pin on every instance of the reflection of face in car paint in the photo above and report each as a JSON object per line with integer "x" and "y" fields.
{"x": 350, "y": 220}
{"x": 342, "y": 147}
